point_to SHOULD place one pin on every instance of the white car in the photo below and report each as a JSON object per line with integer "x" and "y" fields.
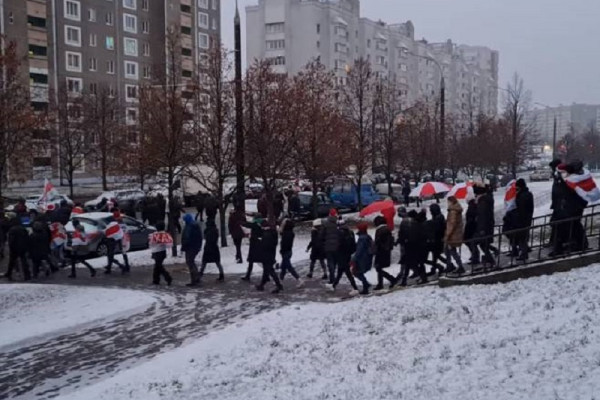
{"x": 34, "y": 202}
{"x": 136, "y": 195}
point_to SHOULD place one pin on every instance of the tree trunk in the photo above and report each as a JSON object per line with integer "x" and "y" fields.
{"x": 171, "y": 218}
{"x": 314, "y": 200}
{"x": 359, "y": 192}
{"x": 222, "y": 219}
{"x": 104, "y": 173}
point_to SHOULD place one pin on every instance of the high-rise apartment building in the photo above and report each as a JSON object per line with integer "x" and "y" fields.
{"x": 289, "y": 33}
{"x": 573, "y": 119}
{"x": 90, "y": 45}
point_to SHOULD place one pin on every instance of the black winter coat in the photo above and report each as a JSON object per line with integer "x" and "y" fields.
{"x": 211, "y": 254}
{"x": 236, "y": 220}
{"x": 39, "y": 241}
{"x": 411, "y": 238}
{"x": 471, "y": 221}
{"x": 329, "y": 235}
{"x": 287, "y": 241}
{"x": 316, "y": 245}
{"x": 18, "y": 240}
{"x": 485, "y": 215}
{"x": 256, "y": 234}
{"x": 572, "y": 204}
{"x": 525, "y": 208}
{"x": 384, "y": 243}
{"x": 268, "y": 248}
{"x": 347, "y": 246}
{"x": 62, "y": 215}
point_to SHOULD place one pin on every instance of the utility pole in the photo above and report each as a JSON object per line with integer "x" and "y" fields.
{"x": 554, "y": 139}
{"x": 239, "y": 117}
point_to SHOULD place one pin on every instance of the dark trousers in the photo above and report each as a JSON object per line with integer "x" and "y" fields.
{"x": 159, "y": 269}
{"x": 286, "y": 265}
{"x": 190, "y": 260}
{"x": 312, "y": 266}
{"x": 452, "y": 252}
{"x": 382, "y": 273}
{"x": 75, "y": 258}
{"x": 344, "y": 269}
{"x": 365, "y": 283}
{"x": 249, "y": 270}
{"x": 331, "y": 264}
{"x": 411, "y": 263}
{"x": 269, "y": 272}
{"x": 485, "y": 246}
{"x": 219, "y": 266}
{"x": 437, "y": 259}
{"x": 238, "y": 249}
{"x": 111, "y": 246}
{"x": 12, "y": 264}
{"x": 37, "y": 263}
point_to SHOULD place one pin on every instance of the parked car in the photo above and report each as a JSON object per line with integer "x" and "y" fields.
{"x": 540, "y": 175}
{"x": 344, "y": 194}
{"x": 323, "y": 206}
{"x": 383, "y": 189}
{"x": 96, "y": 222}
{"x": 34, "y": 202}
{"x": 135, "y": 195}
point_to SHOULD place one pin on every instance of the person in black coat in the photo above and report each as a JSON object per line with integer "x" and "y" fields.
{"x": 63, "y": 213}
{"x": 286, "y": 248}
{"x": 39, "y": 247}
{"x": 256, "y": 234}
{"x": 411, "y": 237}
{"x": 191, "y": 244}
{"x": 18, "y": 243}
{"x": 236, "y": 220}
{"x": 524, "y": 218}
{"x": 571, "y": 232}
{"x": 471, "y": 229}
{"x": 4, "y": 227}
{"x": 346, "y": 249}
{"x": 384, "y": 243}
{"x": 211, "y": 205}
{"x": 200, "y": 200}
{"x": 557, "y": 197}
{"x": 317, "y": 252}
{"x": 436, "y": 227}
{"x": 268, "y": 252}
{"x": 212, "y": 254}
{"x": 161, "y": 207}
{"x": 485, "y": 224}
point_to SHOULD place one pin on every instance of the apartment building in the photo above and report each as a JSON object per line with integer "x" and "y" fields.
{"x": 82, "y": 46}
{"x": 289, "y": 33}
{"x": 576, "y": 118}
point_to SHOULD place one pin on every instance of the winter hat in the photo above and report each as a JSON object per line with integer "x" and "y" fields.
{"x": 570, "y": 169}
{"x": 479, "y": 190}
{"x": 379, "y": 220}
{"x": 435, "y": 209}
{"x": 362, "y": 227}
{"x": 413, "y": 214}
{"x": 188, "y": 218}
{"x": 554, "y": 163}
{"x": 561, "y": 167}
{"x": 521, "y": 183}
{"x": 333, "y": 212}
{"x": 402, "y": 211}
{"x": 317, "y": 222}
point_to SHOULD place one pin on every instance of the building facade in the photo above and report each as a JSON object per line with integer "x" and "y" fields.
{"x": 573, "y": 119}
{"x": 289, "y": 33}
{"x": 81, "y": 46}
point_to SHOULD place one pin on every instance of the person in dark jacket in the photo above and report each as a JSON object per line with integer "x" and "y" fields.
{"x": 286, "y": 247}
{"x": 384, "y": 243}
{"x": 436, "y": 227}
{"x": 262, "y": 205}
{"x": 200, "y": 200}
{"x": 345, "y": 251}
{"x": 485, "y": 224}
{"x": 39, "y": 248}
{"x": 4, "y": 227}
{"x": 331, "y": 241}
{"x": 234, "y": 224}
{"x": 191, "y": 244}
{"x": 316, "y": 249}
{"x": 406, "y": 192}
{"x": 524, "y": 218}
{"x": 175, "y": 210}
{"x": 294, "y": 205}
{"x": 268, "y": 251}
{"x": 278, "y": 204}
{"x": 557, "y": 196}
{"x": 256, "y": 234}
{"x": 212, "y": 254}
{"x": 211, "y": 205}
{"x": 63, "y": 213}
{"x": 411, "y": 238}
{"x": 161, "y": 207}
{"x": 18, "y": 243}
{"x": 362, "y": 260}
{"x": 471, "y": 229}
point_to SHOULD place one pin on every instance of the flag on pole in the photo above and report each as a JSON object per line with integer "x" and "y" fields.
{"x": 584, "y": 185}
{"x": 510, "y": 196}
{"x": 49, "y": 191}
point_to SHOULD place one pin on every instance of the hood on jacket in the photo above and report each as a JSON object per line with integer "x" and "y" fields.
{"x": 435, "y": 210}
{"x": 188, "y": 219}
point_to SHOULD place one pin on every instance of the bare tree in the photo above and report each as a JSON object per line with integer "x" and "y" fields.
{"x": 273, "y": 118}
{"x": 357, "y": 102}
{"x": 18, "y": 120}
{"x": 516, "y": 111}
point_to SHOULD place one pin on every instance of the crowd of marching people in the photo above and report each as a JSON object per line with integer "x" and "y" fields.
{"x": 428, "y": 246}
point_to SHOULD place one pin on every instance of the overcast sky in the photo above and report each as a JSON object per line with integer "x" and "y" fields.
{"x": 553, "y": 44}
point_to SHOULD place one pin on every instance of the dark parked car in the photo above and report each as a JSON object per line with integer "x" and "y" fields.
{"x": 323, "y": 207}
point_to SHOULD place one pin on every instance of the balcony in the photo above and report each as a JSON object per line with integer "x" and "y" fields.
{"x": 39, "y": 92}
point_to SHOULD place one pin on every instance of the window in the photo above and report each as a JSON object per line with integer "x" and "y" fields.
{"x": 145, "y": 5}
{"x": 74, "y": 85}
{"x": 93, "y": 40}
{"x": 91, "y": 15}
{"x": 380, "y": 60}
{"x": 203, "y": 20}
{"x": 146, "y": 72}
{"x": 110, "y": 67}
{"x": 131, "y": 47}
{"x": 403, "y": 67}
{"x": 131, "y": 92}
{"x": 203, "y": 4}
{"x": 214, "y": 4}
{"x": 340, "y": 64}
{"x": 318, "y": 29}
{"x": 110, "y": 43}
{"x": 146, "y": 50}
{"x": 73, "y": 36}
{"x": 274, "y": 28}
{"x": 73, "y": 61}
{"x": 186, "y": 30}
{"x": 145, "y": 26}
{"x": 36, "y": 21}
{"x": 39, "y": 79}
{"x": 72, "y": 10}
{"x": 93, "y": 64}
{"x": 93, "y": 88}
{"x": 203, "y": 60}
{"x": 186, "y": 73}
{"x": 131, "y": 115}
{"x": 130, "y": 23}
{"x": 131, "y": 70}
{"x": 203, "y": 41}
{"x": 276, "y": 60}
{"x": 186, "y": 52}
{"x": 341, "y": 48}
{"x": 129, "y": 4}
{"x": 109, "y": 18}
{"x": 186, "y": 9}
{"x": 275, "y": 44}
{"x": 214, "y": 24}
{"x": 111, "y": 91}
{"x": 40, "y": 51}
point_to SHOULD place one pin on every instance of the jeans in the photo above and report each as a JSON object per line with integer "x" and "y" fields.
{"x": 238, "y": 249}
{"x": 269, "y": 272}
{"x": 312, "y": 267}
{"x": 75, "y": 258}
{"x": 452, "y": 252}
{"x": 159, "y": 269}
{"x": 381, "y": 273}
{"x": 286, "y": 265}
{"x": 344, "y": 269}
{"x": 365, "y": 283}
{"x": 219, "y": 266}
{"x": 111, "y": 246}
{"x": 331, "y": 264}
{"x": 190, "y": 260}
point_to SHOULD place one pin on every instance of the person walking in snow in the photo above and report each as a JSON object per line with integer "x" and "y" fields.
{"x": 268, "y": 251}
{"x": 115, "y": 235}
{"x": 160, "y": 241}
{"x": 254, "y": 250}
{"x": 384, "y": 243}
{"x": 471, "y": 229}
{"x": 524, "y": 213}
{"x": 435, "y": 229}
{"x": 485, "y": 224}
{"x": 212, "y": 254}
{"x": 362, "y": 261}
{"x": 18, "y": 243}
{"x": 331, "y": 241}
{"x": 346, "y": 249}
{"x": 191, "y": 244}
{"x": 39, "y": 248}
{"x": 315, "y": 246}
{"x": 286, "y": 248}
{"x": 411, "y": 238}
{"x": 454, "y": 235}
{"x": 236, "y": 220}
{"x": 79, "y": 249}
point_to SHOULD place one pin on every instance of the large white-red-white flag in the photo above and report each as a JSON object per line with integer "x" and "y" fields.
{"x": 49, "y": 191}
{"x": 510, "y": 196}
{"x": 584, "y": 185}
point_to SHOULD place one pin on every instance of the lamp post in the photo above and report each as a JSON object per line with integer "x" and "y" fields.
{"x": 442, "y": 94}
{"x": 239, "y": 117}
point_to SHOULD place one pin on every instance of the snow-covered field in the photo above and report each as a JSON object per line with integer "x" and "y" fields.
{"x": 28, "y": 312}
{"x": 530, "y": 339}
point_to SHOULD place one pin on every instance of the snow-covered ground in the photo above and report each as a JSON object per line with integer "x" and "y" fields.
{"x": 529, "y": 339}
{"x": 28, "y": 312}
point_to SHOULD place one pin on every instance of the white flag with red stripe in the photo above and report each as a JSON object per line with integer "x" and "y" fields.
{"x": 510, "y": 196}
{"x": 584, "y": 185}
{"x": 49, "y": 191}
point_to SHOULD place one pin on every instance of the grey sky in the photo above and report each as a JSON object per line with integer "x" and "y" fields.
{"x": 553, "y": 44}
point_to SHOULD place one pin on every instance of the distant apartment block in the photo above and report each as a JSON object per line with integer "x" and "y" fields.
{"x": 289, "y": 33}
{"x": 573, "y": 119}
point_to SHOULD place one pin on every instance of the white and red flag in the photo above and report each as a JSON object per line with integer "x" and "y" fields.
{"x": 510, "y": 196}
{"x": 584, "y": 185}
